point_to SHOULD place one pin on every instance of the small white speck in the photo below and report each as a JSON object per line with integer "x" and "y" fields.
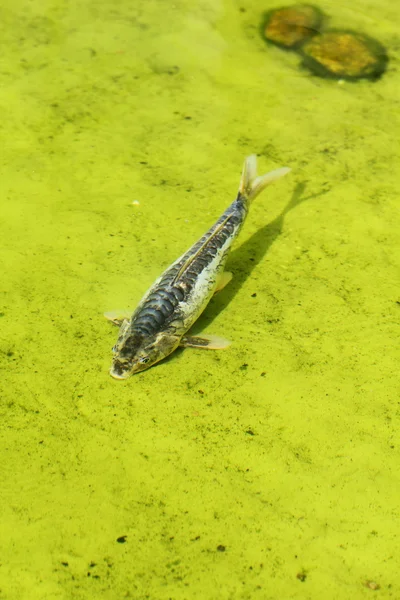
{"x": 135, "y": 202}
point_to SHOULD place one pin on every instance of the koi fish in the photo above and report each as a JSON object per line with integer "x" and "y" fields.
{"x": 178, "y": 297}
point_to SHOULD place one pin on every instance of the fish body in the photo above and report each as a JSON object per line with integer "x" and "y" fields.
{"x": 178, "y": 297}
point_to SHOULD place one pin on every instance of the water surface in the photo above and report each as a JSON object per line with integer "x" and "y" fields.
{"x": 269, "y": 470}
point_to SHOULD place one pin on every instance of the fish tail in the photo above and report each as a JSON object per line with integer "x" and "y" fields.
{"x": 251, "y": 185}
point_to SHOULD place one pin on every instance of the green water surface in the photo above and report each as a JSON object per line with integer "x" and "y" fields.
{"x": 267, "y": 471}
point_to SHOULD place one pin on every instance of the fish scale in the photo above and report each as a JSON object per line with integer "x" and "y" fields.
{"x": 155, "y": 311}
{"x": 150, "y": 316}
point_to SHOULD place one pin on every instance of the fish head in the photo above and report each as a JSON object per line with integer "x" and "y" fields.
{"x": 135, "y": 352}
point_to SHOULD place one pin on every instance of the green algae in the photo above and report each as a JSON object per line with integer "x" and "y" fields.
{"x": 269, "y": 470}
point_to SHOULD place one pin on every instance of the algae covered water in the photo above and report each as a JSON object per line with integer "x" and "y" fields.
{"x": 268, "y": 470}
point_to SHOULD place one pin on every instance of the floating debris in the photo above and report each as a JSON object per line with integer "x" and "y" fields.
{"x": 372, "y": 585}
{"x": 291, "y": 26}
{"x": 344, "y": 55}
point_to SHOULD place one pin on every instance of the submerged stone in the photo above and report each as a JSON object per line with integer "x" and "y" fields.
{"x": 344, "y": 55}
{"x": 290, "y": 26}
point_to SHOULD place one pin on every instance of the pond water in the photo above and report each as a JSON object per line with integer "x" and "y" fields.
{"x": 268, "y": 470}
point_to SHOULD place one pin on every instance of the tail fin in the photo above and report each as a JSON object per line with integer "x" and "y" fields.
{"x": 251, "y": 185}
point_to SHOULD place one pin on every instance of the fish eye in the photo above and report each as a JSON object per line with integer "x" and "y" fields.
{"x": 144, "y": 360}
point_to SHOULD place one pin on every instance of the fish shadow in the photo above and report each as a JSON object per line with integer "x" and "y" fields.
{"x": 244, "y": 259}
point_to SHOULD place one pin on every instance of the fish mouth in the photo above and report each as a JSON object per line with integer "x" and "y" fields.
{"x": 119, "y": 374}
{"x": 116, "y": 376}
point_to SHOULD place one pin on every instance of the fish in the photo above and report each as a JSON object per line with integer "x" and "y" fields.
{"x": 174, "y": 302}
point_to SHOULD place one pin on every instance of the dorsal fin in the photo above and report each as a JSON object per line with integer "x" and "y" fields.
{"x": 192, "y": 257}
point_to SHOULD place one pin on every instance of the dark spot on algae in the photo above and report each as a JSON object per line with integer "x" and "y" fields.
{"x": 302, "y": 576}
{"x": 221, "y": 548}
{"x": 344, "y": 55}
{"x": 122, "y": 539}
{"x": 291, "y": 26}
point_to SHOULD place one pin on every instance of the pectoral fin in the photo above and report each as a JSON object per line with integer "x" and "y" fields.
{"x": 208, "y": 342}
{"x": 117, "y": 316}
{"x": 223, "y": 280}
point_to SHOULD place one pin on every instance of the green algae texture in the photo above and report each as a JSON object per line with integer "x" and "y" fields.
{"x": 266, "y": 471}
